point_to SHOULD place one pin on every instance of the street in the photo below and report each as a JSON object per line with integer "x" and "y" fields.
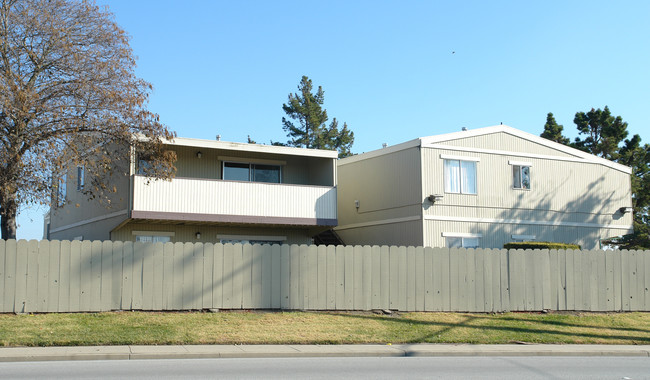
{"x": 626, "y": 368}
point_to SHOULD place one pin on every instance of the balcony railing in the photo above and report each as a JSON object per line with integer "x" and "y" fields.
{"x": 233, "y": 202}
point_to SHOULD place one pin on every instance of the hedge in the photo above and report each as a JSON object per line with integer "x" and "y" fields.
{"x": 540, "y": 245}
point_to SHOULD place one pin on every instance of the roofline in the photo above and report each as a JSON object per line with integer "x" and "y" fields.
{"x": 258, "y": 148}
{"x": 379, "y": 152}
{"x": 430, "y": 140}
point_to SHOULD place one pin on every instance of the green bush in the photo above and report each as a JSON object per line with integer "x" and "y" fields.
{"x": 540, "y": 245}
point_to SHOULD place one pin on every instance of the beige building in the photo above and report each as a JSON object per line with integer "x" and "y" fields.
{"x": 222, "y": 192}
{"x": 481, "y": 188}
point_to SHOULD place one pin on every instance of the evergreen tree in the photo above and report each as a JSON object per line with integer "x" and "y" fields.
{"x": 605, "y": 136}
{"x": 553, "y": 130}
{"x": 604, "y": 133}
{"x": 306, "y": 122}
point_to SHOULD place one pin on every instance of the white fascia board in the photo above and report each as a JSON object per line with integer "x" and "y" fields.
{"x": 430, "y": 140}
{"x": 257, "y": 148}
{"x": 379, "y": 152}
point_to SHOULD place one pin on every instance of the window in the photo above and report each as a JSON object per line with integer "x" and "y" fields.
{"x": 520, "y": 174}
{"x": 153, "y": 236}
{"x": 237, "y": 171}
{"x": 522, "y": 238}
{"x": 460, "y": 175}
{"x": 246, "y": 239}
{"x": 521, "y": 177}
{"x": 461, "y": 240}
{"x": 62, "y": 190}
{"x": 81, "y": 177}
{"x": 152, "y": 239}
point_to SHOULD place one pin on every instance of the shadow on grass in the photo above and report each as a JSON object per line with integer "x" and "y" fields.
{"x": 447, "y": 327}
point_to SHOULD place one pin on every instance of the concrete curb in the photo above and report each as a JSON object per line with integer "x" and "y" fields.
{"x": 22, "y": 354}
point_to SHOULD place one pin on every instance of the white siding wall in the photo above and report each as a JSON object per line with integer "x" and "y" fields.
{"x": 234, "y": 198}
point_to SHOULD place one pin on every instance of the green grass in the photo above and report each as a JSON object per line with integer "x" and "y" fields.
{"x": 245, "y": 327}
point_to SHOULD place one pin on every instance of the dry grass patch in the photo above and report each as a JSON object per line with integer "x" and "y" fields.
{"x": 237, "y": 327}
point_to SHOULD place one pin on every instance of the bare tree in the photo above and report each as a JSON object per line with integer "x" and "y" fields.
{"x": 68, "y": 96}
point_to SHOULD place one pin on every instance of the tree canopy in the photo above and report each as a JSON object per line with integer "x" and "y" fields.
{"x": 306, "y": 122}
{"x": 604, "y": 135}
{"x": 68, "y": 96}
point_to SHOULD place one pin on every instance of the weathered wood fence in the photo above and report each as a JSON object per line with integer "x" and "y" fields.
{"x": 69, "y": 276}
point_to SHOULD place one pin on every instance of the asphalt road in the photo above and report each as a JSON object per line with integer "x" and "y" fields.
{"x": 622, "y": 368}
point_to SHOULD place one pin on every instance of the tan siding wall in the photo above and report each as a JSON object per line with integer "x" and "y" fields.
{"x": 99, "y": 230}
{"x": 561, "y": 191}
{"x": 80, "y": 208}
{"x": 505, "y": 142}
{"x": 405, "y": 233}
{"x": 297, "y": 170}
{"x": 495, "y": 235}
{"x": 386, "y": 186}
{"x": 185, "y": 233}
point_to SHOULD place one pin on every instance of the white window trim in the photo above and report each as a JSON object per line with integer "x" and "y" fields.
{"x": 223, "y": 169}
{"x": 244, "y": 160}
{"x": 154, "y": 233}
{"x": 520, "y": 163}
{"x": 461, "y": 235}
{"x": 251, "y": 237}
{"x": 459, "y": 158}
{"x": 523, "y": 237}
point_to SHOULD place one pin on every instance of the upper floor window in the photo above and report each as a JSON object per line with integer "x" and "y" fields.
{"x": 238, "y": 171}
{"x": 61, "y": 192}
{"x": 520, "y": 175}
{"x": 81, "y": 177}
{"x": 460, "y": 174}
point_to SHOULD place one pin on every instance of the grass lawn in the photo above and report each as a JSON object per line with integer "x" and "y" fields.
{"x": 255, "y": 327}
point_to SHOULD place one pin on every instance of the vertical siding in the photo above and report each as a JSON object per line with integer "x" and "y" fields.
{"x": 65, "y": 276}
{"x": 192, "y": 196}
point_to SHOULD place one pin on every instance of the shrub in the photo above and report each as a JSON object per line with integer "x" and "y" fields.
{"x": 540, "y": 245}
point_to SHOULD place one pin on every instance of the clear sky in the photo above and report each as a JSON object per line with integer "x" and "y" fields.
{"x": 393, "y": 70}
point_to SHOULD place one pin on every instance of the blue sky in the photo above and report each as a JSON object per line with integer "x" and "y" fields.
{"x": 392, "y": 70}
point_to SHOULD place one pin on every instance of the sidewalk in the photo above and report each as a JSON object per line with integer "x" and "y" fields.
{"x": 15, "y": 354}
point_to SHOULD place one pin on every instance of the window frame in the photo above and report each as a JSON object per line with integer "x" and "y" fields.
{"x": 518, "y": 167}
{"x": 62, "y": 190}
{"x": 81, "y": 177}
{"x": 459, "y": 184}
{"x": 251, "y": 170}
{"x": 464, "y": 237}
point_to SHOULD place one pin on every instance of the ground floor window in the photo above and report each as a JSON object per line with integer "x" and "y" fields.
{"x": 249, "y": 239}
{"x": 461, "y": 240}
{"x": 153, "y": 236}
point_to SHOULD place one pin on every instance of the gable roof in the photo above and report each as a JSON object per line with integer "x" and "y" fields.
{"x": 434, "y": 141}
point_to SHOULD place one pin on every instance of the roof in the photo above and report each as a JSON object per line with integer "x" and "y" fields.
{"x": 258, "y": 148}
{"x": 435, "y": 141}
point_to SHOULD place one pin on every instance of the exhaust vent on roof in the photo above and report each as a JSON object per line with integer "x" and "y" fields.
{"x": 464, "y": 128}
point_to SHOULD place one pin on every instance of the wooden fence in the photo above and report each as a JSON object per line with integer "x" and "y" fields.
{"x": 70, "y": 276}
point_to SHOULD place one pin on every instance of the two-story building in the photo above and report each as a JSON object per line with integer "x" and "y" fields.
{"x": 481, "y": 188}
{"x": 222, "y": 192}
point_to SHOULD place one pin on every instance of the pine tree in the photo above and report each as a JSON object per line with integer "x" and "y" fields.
{"x": 553, "y": 130}
{"x": 306, "y": 125}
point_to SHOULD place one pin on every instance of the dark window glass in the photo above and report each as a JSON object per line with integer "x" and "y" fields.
{"x": 236, "y": 171}
{"x": 266, "y": 173}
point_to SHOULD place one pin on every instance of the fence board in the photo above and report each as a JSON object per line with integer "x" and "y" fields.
{"x": 331, "y": 276}
{"x": 375, "y": 281}
{"x": 247, "y": 276}
{"x": 43, "y": 258}
{"x": 137, "y": 276}
{"x": 393, "y": 275}
{"x": 158, "y": 266}
{"x": 54, "y": 276}
{"x": 310, "y": 276}
{"x": 276, "y": 276}
{"x": 218, "y": 276}
{"x": 488, "y": 285}
{"x": 479, "y": 281}
{"x": 410, "y": 279}
{"x": 640, "y": 282}
{"x": 116, "y": 275}
{"x": 419, "y": 279}
{"x": 295, "y": 295}
{"x": 147, "y": 276}
{"x": 454, "y": 274}
{"x": 366, "y": 278}
{"x": 31, "y": 300}
{"x": 258, "y": 278}
{"x": 127, "y": 276}
{"x": 429, "y": 287}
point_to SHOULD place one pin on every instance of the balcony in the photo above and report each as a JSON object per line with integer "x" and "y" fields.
{"x": 218, "y": 201}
